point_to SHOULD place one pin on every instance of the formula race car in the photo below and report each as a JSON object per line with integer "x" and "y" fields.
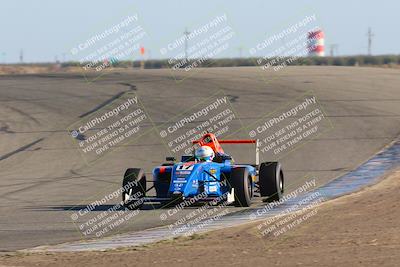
{"x": 207, "y": 175}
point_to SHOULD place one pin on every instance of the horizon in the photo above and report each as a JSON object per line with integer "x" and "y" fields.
{"x": 47, "y": 32}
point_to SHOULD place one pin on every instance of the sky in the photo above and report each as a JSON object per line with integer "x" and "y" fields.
{"x": 47, "y": 30}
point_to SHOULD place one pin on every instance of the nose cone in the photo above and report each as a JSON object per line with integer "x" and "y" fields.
{"x": 183, "y": 176}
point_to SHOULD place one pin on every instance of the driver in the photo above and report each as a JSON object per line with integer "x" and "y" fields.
{"x": 204, "y": 153}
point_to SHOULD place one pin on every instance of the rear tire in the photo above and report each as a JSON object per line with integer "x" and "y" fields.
{"x": 133, "y": 188}
{"x": 271, "y": 180}
{"x": 240, "y": 181}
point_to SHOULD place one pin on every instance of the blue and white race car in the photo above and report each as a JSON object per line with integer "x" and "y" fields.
{"x": 207, "y": 175}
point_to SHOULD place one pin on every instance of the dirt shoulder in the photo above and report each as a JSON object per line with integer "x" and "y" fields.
{"x": 361, "y": 229}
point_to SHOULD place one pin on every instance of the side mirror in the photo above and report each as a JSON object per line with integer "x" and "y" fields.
{"x": 170, "y": 158}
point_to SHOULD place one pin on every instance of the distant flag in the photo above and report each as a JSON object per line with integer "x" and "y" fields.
{"x": 142, "y": 50}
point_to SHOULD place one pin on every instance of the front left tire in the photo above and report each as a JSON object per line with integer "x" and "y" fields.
{"x": 240, "y": 180}
{"x": 271, "y": 181}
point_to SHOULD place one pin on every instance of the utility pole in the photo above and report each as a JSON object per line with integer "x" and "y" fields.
{"x": 21, "y": 56}
{"x": 370, "y": 35}
{"x": 148, "y": 54}
{"x": 240, "y": 48}
{"x": 334, "y": 50}
{"x": 186, "y": 33}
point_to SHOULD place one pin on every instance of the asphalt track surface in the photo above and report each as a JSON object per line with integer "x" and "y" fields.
{"x": 43, "y": 176}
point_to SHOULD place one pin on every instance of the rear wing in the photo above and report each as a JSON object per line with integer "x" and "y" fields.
{"x": 243, "y": 141}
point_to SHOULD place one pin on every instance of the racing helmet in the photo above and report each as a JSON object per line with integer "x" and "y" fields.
{"x": 204, "y": 153}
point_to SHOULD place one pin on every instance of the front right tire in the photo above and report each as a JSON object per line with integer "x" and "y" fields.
{"x": 133, "y": 188}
